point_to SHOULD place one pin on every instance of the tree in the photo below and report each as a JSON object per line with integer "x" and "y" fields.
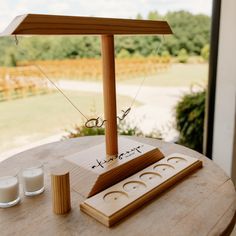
{"x": 154, "y": 15}
{"x": 10, "y": 59}
{"x": 139, "y": 16}
{"x": 165, "y": 56}
{"x": 123, "y": 54}
{"x": 191, "y": 32}
{"x": 205, "y": 52}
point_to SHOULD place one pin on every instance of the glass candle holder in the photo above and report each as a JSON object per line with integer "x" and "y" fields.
{"x": 9, "y": 191}
{"x": 33, "y": 180}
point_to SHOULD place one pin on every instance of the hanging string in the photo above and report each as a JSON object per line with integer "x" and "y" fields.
{"x": 45, "y": 75}
{"x": 94, "y": 122}
{"x": 16, "y": 40}
{"x": 127, "y": 111}
{"x": 90, "y": 123}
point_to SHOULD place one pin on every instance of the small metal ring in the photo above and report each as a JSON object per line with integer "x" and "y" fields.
{"x": 125, "y": 113}
{"x": 87, "y": 123}
{"x": 96, "y": 120}
{"x": 102, "y": 123}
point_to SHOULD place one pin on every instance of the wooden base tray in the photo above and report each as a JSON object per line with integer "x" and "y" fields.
{"x": 114, "y": 203}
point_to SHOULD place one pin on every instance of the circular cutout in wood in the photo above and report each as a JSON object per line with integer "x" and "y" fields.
{"x": 150, "y": 177}
{"x": 134, "y": 186}
{"x": 115, "y": 197}
{"x": 176, "y": 160}
{"x": 163, "y": 168}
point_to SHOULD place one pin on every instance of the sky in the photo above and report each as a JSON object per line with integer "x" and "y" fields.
{"x": 100, "y": 8}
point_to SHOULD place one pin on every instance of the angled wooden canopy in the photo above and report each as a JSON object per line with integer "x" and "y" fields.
{"x": 37, "y": 24}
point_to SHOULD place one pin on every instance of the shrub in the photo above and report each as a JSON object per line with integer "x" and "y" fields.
{"x": 124, "y": 128}
{"x": 123, "y": 54}
{"x": 10, "y": 59}
{"x": 205, "y": 52}
{"x": 137, "y": 55}
{"x": 80, "y": 131}
{"x": 183, "y": 56}
{"x": 165, "y": 56}
{"x": 190, "y": 120}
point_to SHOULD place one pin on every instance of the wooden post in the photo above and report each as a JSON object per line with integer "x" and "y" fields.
{"x": 109, "y": 94}
{"x": 60, "y": 193}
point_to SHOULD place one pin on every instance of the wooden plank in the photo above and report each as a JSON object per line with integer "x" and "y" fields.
{"x": 36, "y": 24}
{"x": 226, "y": 219}
{"x": 116, "y": 202}
{"x": 109, "y": 94}
{"x": 219, "y": 203}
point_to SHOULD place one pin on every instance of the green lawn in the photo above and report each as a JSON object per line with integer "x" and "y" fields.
{"x": 177, "y": 75}
{"x": 26, "y": 120}
{"x": 33, "y": 118}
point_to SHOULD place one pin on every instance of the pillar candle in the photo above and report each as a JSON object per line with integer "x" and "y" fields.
{"x": 33, "y": 179}
{"x": 9, "y": 189}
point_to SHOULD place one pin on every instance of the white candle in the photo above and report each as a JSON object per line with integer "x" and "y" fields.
{"x": 9, "y": 189}
{"x": 33, "y": 179}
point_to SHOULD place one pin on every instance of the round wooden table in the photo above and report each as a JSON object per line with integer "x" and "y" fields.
{"x": 204, "y": 203}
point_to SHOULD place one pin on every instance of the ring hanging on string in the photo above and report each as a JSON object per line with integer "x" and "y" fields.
{"x": 94, "y": 122}
{"x": 125, "y": 113}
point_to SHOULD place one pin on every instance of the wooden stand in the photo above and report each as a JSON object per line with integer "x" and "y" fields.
{"x": 96, "y": 169}
{"x": 60, "y": 193}
{"x": 109, "y": 94}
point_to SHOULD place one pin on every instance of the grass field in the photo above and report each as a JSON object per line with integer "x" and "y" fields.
{"x": 177, "y": 75}
{"x": 30, "y": 119}
{"x": 33, "y": 118}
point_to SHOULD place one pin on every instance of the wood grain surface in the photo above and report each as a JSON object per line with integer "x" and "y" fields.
{"x": 60, "y": 183}
{"x": 201, "y": 204}
{"x": 36, "y": 24}
{"x": 109, "y": 94}
{"x": 92, "y": 171}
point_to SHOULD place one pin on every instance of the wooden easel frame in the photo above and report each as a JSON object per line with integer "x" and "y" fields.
{"x": 116, "y": 168}
{"x": 35, "y": 24}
